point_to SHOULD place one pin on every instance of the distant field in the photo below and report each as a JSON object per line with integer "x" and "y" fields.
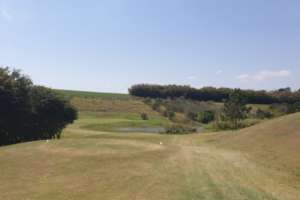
{"x": 112, "y": 112}
{"x": 87, "y": 102}
{"x": 84, "y": 94}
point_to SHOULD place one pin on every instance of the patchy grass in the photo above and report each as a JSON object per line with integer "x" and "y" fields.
{"x": 274, "y": 143}
{"x": 112, "y": 122}
{"x": 105, "y": 105}
{"x": 112, "y": 114}
{"x": 260, "y": 162}
{"x": 91, "y": 162}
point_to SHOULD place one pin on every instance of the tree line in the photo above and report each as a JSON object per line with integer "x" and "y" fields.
{"x": 284, "y": 95}
{"x": 29, "y": 112}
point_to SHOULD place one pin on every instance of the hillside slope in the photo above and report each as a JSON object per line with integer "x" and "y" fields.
{"x": 274, "y": 143}
{"x": 92, "y": 164}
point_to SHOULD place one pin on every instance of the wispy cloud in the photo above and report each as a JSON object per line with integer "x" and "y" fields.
{"x": 5, "y": 14}
{"x": 191, "y": 77}
{"x": 219, "y": 72}
{"x": 243, "y": 77}
{"x": 265, "y": 75}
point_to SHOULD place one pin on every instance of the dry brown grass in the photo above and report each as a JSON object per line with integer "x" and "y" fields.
{"x": 107, "y": 105}
{"x": 252, "y": 165}
{"x": 274, "y": 143}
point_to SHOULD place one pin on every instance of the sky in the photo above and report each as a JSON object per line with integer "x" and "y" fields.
{"x": 109, "y": 45}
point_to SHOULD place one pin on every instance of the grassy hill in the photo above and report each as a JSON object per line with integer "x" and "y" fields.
{"x": 274, "y": 143}
{"x": 112, "y": 112}
{"x": 257, "y": 163}
{"x": 114, "y": 106}
{"x": 86, "y": 94}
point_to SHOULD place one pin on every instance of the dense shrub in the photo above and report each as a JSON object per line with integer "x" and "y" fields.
{"x": 261, "y": 114}
{"x": 169, "y": 114}
{"x": 30, "y": 112}
{"x": 206, "y": 117}
{"x": 179, "y": 129}
{"x": 203, "y": 116}
{"x": 192, "y": 115}
{"x": 156, "y": 106}
{"x": 280, "y": 107}
{"x": 144, "y": 116}
{"x": 292, "y": 108}
{"x": 228, "y": 125}
{"x": 284, "y": 95}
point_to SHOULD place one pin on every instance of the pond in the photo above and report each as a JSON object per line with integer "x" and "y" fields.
{"x": 157, "y": 129}
{"x": 142, "y": 129}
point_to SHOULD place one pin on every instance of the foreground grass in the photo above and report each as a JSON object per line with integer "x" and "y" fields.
{"x": 91, "y": 164}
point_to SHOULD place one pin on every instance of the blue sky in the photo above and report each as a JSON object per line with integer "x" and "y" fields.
{"x": 109, "y": 45}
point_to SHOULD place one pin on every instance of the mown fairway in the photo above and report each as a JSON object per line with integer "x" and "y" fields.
{"x": 90, "y": 164}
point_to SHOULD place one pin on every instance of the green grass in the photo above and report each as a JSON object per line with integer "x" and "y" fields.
{"x": 258, "y": 163}
{"x": 112, "y": 122}
{"x": 85, "y": 94}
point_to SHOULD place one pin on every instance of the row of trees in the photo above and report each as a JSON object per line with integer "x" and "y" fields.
{"x": 284, "y": 95}
{"x": 29, "y": 112}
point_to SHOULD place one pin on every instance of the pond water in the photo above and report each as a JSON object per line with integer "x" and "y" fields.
{"x": 142, "y": 129}
{"x": 149, "y": 129}
{"x": 199, "y": 129}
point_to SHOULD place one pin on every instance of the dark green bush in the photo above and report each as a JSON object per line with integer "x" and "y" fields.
{"x": 229, "y": 125}
{"x": 156, "y": 106}
{"x": 179, "y": 129}
{"x": 144, "y": 116}
{"x": 225, "y": 125}
{"x": 206, "y": 117}
{"x": 30, "y": 112}
{"x": 295, "y": 107}
{"x": 169, "y": 114}
{"x": 280, "y": 107}
{"x": 192, "y": 115}
{"x": 261, "y": 114}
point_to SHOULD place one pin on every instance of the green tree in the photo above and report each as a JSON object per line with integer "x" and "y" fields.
{"x": 205, "y": 116}
{"x": 29, "y": 112}
{"x": 235, "y": 108}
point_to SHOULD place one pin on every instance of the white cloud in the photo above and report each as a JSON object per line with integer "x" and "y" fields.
{"x": 268, "y": 74}
{"x": 219, "y": 72}
{"x": 191, "y": 77}
{"x": 265, "y": 75}
{"x": 243, "y": 77}
{"x": 5, "y": 14}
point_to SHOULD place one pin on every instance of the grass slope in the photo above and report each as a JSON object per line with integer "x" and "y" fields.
{"x": 275, "y": 143}
{"x": 86, "y": 94}
{"x": 91, "y": 164}
{"x": 111, "y": 112}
